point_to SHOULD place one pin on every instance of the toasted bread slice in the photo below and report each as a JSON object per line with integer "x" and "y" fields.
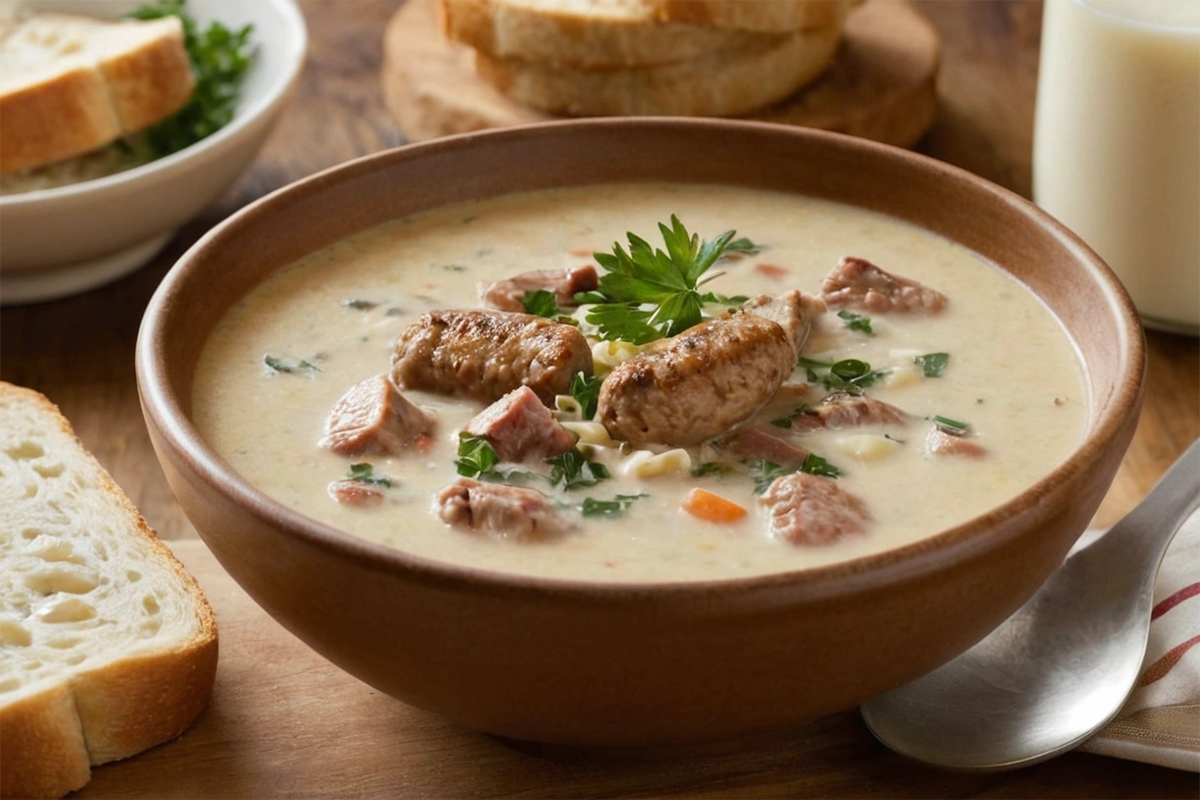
{"x": 720, "y": 83}
{"x": 71, "y": 84}
{"x": 581, "y": 34}
{"x": 109, "y": 647}
{"x": 761, "y": 16}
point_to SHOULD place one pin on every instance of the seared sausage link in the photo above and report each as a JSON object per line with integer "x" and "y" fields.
{"x": 484, "y": 355}
{"x": 694, "y": 386}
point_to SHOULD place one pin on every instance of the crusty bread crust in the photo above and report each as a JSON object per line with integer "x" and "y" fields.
{"x": 119, "y": 78}
{"x": 611, "y": 34}
{"x": 762, "y": 16}
{"x": 123, "y": 697}
{"x": 722, "y": 83}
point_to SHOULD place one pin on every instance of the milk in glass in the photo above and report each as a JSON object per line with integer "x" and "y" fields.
{"x": 1117, "y": 143}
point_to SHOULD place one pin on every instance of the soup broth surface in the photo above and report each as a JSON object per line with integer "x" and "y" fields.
{"x": 331, "y": 320}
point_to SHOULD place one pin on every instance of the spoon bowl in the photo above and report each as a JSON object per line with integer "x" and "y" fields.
{"x": 1061, "y": 667}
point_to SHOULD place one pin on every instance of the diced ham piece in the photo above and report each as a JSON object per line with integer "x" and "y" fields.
{"x": 845, "y": 410}
{"x": 808, "y": 509}
{"x": 519, "y": 427}
{"x": 507, "y": 294}
{"x": 940, "y": 443}
{"x": 793, "y": 311}
{"x": 753, "y": 444}
{"x": 857, "y": 283}
{"x": 354, "y": 493}
{"x": 374, "y": 418}
{"x": 509, "y": 512}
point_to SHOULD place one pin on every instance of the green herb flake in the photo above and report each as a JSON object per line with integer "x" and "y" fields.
{"x": 365, "y": 473}
{"x": 711, "y": 468}
{"x": 454, "y": 268}
{"x": 848, "y": 375}
{"x": 615, "y": 507}
{"x": 541, "y": 303}
{"x": 815, "y": 465}
{"x": 359, "y": 305}
{"x": 932, "y": 365}
{"x": 220, "y": 57}
{"x": 951, "y": 426}
{"x": 650, "y": 294}
{"x": 586, "y": 391}
{"x": 856, "y": 322}
{"x": 741, "y": 247}
{"x": 476, "y": 458}
{"x": 764, "y": 473}
{"x": 572, "y": 470}
{"x": 290, "y": 365}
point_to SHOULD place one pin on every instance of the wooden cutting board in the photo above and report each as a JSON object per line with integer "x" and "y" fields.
{"x": 881, "y": 85}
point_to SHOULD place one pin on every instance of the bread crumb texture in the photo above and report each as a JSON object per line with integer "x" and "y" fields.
{"x": 107, "y": 646}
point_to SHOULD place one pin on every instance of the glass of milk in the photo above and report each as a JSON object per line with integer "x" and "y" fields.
{"x": 1116, "y": 146}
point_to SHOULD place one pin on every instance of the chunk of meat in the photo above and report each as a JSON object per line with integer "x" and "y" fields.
{"x": 793, "y": 311}
{"x": 845, "y": 410}
{"x": 484, "y": 355}
{"x": 857, "y": 283}
{"x": 753, "y": 444}
{"x": 808, "y": 509}
{"x": 507, "y": 294}
{"x": 698, "y": 384}
{"x": 373, "y": 418}
{"x": 940, "y": 443}
{"x": 519, "y": 427}
{"x": 354, "y": 493}
{"x": 497, "y": 509}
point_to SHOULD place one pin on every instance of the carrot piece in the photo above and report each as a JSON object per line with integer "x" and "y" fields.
{"x": 705, "y": 505}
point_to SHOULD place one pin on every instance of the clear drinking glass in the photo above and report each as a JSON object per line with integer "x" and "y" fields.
{"x": 1116, "y": 149}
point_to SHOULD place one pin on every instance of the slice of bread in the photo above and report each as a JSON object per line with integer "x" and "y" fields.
{"x": 581, "y": 34}
{"x": 762, "y": 16}
{"x": 107, "y": 646}
{"x": 70, "y": 84}
{"x": 719, "y": 83}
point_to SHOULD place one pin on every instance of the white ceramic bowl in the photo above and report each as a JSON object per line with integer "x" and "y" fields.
{"x": 55, "y": 242}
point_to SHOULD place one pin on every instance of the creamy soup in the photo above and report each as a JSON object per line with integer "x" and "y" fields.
{"x": 982, "y": 393}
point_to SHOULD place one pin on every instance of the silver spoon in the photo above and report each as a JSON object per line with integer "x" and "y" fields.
{"x": 1061, "y": 667}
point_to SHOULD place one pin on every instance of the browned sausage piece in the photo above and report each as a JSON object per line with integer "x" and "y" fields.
{"x": 940, "y": 443}
{"x": 808, "y": 509}
{"x": 857, "y": 283}
{"x": 374, "y": 418}
{"x": 508, "y": 512}
{"x": 845, "y": 410}
{"x": 484, "y": 355}
{"x": 697, "y": 385}
{"x": 753, "y": 444}
{"x": 793, "y": 311}
{"x": 507, "y": 294}
{"x": 519, "y": 427}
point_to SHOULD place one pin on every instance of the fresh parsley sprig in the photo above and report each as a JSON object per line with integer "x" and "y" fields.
{"x": 647, "y": 293}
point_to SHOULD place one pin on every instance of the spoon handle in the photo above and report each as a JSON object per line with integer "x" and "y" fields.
{"x": 1144, "y": 534}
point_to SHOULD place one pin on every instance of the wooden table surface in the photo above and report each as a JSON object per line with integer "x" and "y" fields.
{"x": 284, "y": 723}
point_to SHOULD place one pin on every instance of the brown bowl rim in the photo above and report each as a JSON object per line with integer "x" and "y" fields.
{"x": 921, "y": 557}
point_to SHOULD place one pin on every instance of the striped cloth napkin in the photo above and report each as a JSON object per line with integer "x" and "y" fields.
{"x": 1160, "y": 722}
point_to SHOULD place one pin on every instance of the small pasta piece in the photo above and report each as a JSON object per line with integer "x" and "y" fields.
{"x": 867, "y": 446}
{"x": 903, "y": 376}
{"x": 606, "y": 355}
{"x": 567, "y": 408}
{"x": 653, "y": 465}
{"x": 590, "y": 432}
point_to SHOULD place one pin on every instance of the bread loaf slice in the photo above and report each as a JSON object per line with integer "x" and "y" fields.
{"x": 581, "y": 34}
{"x": 719, "y": 83}
{"x": 761, "y": 16}
{"x": 70, "y": 84}
{"x": 107, "y": 646}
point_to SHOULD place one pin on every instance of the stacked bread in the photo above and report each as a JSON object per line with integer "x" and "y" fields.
{"x": 648, "y": 57}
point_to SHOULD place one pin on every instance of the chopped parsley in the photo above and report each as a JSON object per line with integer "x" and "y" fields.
{"x": 932, "y": 364}
{"x": 359, "y": 305}
{"x": 586, "y": 392}
{"x": 290, "y": 365}
{"x": 951, "y": 426}
{"x": 648, "y": 294}
{"x": 477, "y": 459}
{"x": 572, "y": 470}
{"x": 365, "y": 473}
{"x": 848, "y": 375}
{"x": 786, "y": 420}
{"x": 741, "y": 247}
{"x": 711, "y": 468}
{"x": 856, "y": 322}
{"x": 541, "y": 303}
{"x": 765, "y": 472}
{"x": 615, "y": 507}
{"x": 220, "y": 57}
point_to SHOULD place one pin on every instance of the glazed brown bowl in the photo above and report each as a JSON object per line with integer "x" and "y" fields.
{"x": 588, "y": 663}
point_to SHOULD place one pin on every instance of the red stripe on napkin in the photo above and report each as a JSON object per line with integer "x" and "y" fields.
{"x": 1161, "y": 667}
{"x": 1168, "y": 603}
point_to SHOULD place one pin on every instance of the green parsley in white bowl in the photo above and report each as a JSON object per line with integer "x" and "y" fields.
{"x": 117, "y": 207}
